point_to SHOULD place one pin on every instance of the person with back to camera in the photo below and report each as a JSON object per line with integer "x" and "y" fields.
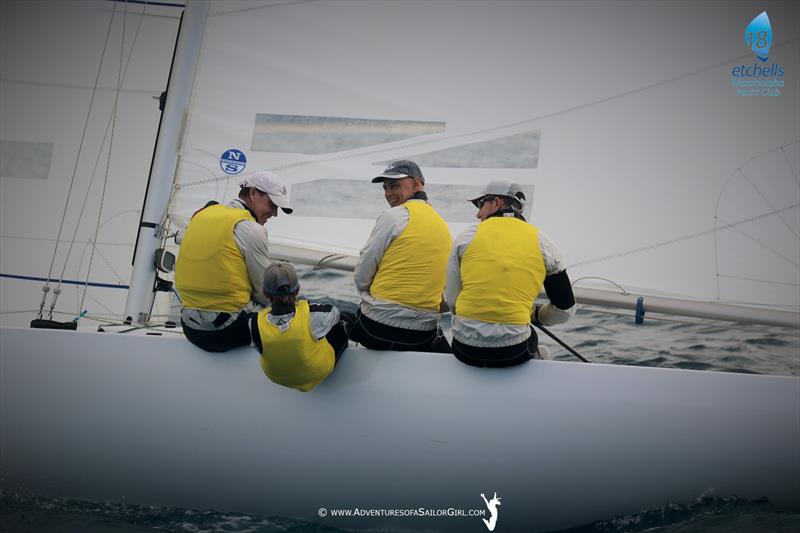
{"x": 496, "y": 270}
{"x": 299, "y": 342}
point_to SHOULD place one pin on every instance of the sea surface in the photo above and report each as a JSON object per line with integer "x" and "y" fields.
{"x": 600, "y": 336}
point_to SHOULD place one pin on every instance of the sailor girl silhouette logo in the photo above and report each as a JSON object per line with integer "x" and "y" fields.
{"x": 492, "y": 506}
{"x": 758, "y": 36}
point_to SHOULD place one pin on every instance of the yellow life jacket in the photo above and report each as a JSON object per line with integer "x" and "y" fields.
{"x": 290, "y": 356}
{"x": 502, "y": 272}
{"x": 210, "y": 272}
{"x": 412, "y": 270}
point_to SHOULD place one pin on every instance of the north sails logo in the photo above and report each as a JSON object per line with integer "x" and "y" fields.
{"x": 492, "y": 506}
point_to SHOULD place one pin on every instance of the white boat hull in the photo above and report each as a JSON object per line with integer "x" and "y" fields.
{"x": 149, "y": 420}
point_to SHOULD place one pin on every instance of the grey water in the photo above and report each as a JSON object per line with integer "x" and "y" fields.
{"x": 600, "y": 336}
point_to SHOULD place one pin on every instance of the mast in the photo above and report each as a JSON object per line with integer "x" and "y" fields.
{"x": 165, "y": 160}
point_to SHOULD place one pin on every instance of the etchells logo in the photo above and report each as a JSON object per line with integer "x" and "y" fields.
{"x": 232, "y": 161}
{"x": 758, "y": 79}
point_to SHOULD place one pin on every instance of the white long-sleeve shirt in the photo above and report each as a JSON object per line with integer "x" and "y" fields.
{"x": 488, "y": 334}
{"x": 251, "y": 238}
{"x": 388, "y": 227}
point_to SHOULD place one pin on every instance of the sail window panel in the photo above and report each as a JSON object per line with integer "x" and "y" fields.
{"x": 519, "y": 150}
{"x": 25, "y": 159}
{"x": 337, "y": 198}
{"x": 307, "y": 134}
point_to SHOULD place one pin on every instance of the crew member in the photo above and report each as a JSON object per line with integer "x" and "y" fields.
{"x": 401, "y": 270}
{"x": 299, "y": 342}
{"x": 221, "y": 263}
{"x": 496, "y": 270}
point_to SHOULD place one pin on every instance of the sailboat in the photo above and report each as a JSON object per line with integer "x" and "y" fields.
{"x": 667, "y": 191}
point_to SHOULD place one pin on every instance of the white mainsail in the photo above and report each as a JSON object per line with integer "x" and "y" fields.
{"x": 635, "y": 166}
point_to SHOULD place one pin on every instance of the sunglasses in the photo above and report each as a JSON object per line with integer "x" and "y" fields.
{"x": 480, "y": 201}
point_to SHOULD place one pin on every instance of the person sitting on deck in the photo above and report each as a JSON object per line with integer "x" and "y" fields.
{"x": 496, "y": 270}
{"x": 400, "y": 271}
{"x": 299, "y": 342}
{"x": 221, "y": 263}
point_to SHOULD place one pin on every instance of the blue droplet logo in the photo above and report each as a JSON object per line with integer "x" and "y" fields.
{"x": 758, "y": 36}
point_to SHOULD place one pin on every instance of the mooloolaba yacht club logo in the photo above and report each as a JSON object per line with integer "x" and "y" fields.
{"x": 759, "y": 78}
{"x": 492, "y": 506}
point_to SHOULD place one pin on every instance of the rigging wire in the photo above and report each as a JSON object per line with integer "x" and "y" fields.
{"x": 110, "y": 145}
{"x": 623, "y": 290}
{"x": 111, "y": 119}
{"x": 46, "y": 286}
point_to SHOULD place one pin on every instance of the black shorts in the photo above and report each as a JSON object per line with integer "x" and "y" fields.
{"x": 376, "y": 336}
{"x": 221, "y": 340}
{"x": 498, "y": 357}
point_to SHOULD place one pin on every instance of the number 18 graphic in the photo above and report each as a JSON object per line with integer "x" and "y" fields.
{"x": 758, "y": 36}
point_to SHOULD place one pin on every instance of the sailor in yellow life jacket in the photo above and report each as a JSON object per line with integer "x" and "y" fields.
{"x": 299, "y": 342}
{"x": 495, "y": 272}
{"x": 221, "y": 263}
{"x": 400, "y": 271}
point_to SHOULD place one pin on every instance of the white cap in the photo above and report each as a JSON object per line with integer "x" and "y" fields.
{"x": 502, "y": 187}
{"x": 268, "y": 182}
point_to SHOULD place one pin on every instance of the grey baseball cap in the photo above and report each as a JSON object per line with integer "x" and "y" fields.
{"x": 400, "y": 169}
{"x": 280, "y": 279}
{"x": 502, "y": 187}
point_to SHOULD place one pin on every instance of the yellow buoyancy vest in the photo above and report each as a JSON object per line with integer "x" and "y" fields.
{"x": 502, "y": 271}
{"x": 210, "y": 272}
{"x": 290, "y": 356}
{"x": 412, "y": 270}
